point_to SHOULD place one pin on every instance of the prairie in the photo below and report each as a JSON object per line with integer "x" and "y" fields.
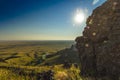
{"x": 26, "y": 60}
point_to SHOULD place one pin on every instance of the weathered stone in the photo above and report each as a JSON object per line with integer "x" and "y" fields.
{"x": 99, "y": 47}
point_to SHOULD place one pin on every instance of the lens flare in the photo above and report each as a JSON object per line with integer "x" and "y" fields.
{"x": 79, "y": 18}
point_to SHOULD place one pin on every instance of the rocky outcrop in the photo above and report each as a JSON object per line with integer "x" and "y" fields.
{"x": 99, "y": 47}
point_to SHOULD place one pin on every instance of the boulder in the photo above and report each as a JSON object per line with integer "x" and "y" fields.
{"x": 99, "y": 47}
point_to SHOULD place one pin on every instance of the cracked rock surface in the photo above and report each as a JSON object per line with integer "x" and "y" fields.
{"x": 99, "y": 47}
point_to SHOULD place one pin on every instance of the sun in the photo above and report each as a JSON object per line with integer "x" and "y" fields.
{"x": 79, "y": 17}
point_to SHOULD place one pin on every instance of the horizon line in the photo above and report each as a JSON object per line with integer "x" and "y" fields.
{"x": 37, "y": 40}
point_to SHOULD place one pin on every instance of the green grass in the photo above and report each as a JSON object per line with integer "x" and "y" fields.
{"x": 21, "y": 60}
{"x": 25, "y": 52}
{"x": 13, "y": 72}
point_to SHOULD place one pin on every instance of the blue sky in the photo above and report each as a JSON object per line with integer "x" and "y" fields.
{"x": 43, "y": 19}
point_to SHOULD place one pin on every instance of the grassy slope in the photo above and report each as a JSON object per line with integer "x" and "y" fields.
{"x": 15, "y": 56}
{"x": 31, "y": 73}
{"x": 23, "y": 53}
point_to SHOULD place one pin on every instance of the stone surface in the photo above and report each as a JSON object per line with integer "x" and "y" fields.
{"x": 99, "y": 47}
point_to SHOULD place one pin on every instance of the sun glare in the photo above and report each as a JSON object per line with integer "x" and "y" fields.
{"x": 79, "y": 18}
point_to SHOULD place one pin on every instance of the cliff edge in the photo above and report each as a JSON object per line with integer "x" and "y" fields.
{"x": 99, "y": 47}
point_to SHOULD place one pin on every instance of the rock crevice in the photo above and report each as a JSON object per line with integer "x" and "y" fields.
{"x": 99, "y": 47}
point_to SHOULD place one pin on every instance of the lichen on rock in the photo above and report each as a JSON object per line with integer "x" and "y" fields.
{"x": 99, "y": 47}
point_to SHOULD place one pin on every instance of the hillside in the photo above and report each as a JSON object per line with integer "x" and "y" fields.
{"x": 30, "y": 52}
{"x": 28, "y": 60}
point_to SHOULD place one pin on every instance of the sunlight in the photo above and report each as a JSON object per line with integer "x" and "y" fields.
{"x": 79, "y": 16}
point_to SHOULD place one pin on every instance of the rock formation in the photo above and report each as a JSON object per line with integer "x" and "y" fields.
{"x": 99, "y": 47}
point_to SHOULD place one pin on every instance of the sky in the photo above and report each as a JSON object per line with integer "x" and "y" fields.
{"x": 44, "y": 19}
